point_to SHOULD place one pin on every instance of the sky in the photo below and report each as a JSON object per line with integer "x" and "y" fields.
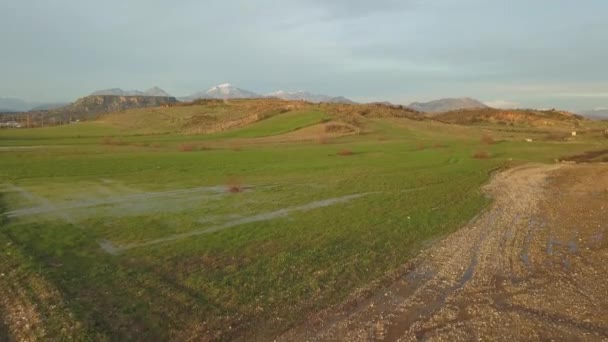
{"x": 516, "y": 53}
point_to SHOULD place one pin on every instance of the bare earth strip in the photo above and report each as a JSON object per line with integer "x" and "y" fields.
{"x": 531, "y": 267}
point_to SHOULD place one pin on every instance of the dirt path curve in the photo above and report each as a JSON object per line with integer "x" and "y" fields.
{"x": 533, "y": 266}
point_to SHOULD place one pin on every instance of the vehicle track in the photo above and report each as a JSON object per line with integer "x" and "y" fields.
{"x": 532, "y": 266}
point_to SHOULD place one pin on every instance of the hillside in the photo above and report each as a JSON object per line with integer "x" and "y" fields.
{"x": 446, "y": 105}
{"x": 528, "y": 117}
{"x": 202, "y": 116}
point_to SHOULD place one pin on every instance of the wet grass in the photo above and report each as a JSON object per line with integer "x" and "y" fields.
{"x": 250, "y": 280}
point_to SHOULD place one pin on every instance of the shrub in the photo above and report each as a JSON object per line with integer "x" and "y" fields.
{"x": 488, "y": 140}
{"x": 481, "y": 155}
{"x": 234, "y": 185}
{"x": 345, "y": 152}
{"x": 556, "y": 136}
{"x": 186, "y": 147}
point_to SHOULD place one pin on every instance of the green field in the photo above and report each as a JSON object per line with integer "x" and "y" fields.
{"x": 112, "y": 235}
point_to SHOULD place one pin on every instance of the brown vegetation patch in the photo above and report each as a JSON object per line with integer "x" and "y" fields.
{"x": 113, "y": 142}
{"x": 557, "y": 136}
{"x": 481, "y": 155}
{"x": 336, "y": 127}
{"x": 488, "y": 139}
{"x": 186, "y": 147}
{"x": 234, "y": 185}
{"x": 345, "y": 152}
{"x": 588, "y": 157}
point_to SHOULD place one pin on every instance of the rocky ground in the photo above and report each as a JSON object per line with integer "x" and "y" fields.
{"x": 531, "y": 267}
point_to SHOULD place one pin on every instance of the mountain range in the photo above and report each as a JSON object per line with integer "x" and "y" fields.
{"x": 154, "y": 91}
{"x": 222, "y": 91}
{"x": 228, "y": 91}
{"x": 596, "y": 114}
{"x": 309, "y": 97}
{"x": 446, "y": 105}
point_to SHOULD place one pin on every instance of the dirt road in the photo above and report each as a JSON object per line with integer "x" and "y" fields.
{"x": 534, "y": 266}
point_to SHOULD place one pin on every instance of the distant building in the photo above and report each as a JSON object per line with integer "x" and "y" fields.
{"x": 574, "y": 133}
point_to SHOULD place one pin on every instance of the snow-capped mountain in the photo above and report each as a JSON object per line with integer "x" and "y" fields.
{"x": 154, "y": 91}
{"x": 223, "y": 91}
{"x": 309, "y": 97}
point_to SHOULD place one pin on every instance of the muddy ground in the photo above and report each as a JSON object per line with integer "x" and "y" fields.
{"x": 533, "y": 266}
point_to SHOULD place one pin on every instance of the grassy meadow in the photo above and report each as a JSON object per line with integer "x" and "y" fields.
{"x": 158, "y": 232}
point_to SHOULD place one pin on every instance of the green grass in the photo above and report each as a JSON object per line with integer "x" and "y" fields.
{"x": 251, "y": 280}
{"x": 276, "y": 125}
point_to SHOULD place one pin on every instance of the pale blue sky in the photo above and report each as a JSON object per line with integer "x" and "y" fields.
{"x": 535, "y": 53}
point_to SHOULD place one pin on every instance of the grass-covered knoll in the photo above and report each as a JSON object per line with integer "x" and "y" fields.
{"x": 261, "y": 266}
{"x": 521, "y": 117}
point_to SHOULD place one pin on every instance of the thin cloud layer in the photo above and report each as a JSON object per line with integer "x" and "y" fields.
{"x": 400, "y": 51}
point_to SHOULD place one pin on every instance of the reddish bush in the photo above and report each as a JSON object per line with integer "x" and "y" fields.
{"x": 186, "y": 147}
{"x": 234, "y": 185}
{"x": 481, "y": 155}
{"x": 345, "y": 152}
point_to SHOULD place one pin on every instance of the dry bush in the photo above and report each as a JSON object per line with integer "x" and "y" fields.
{"x": 440, "y": 146}
{"x": 557, "y": 136}
{"x": 156, "y": 145}
{"x": 481, "y": 155}
{"x": 345, "y": 152}
{"x": 488, "y": 140}
{"x": 186, "y": 147}
{"x": 420, "y": 146}
{"x": 323, "y": 140}
{"x": 233, "y": 185}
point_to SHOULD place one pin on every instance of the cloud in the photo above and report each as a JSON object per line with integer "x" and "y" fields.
{"x": 502, "y": 104}
{"x": 343, "y": 9}
{"x": 584, "y": 95}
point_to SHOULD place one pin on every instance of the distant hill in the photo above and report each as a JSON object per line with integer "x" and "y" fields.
{"x": 49, "y": 106}
{"x": 446, "y": 105}
{"x": 596, "y": 114}
{"x": 154, "y": 91}
{"x": 12, "y": 105}
{"x": 92, "y": 106}
{"x": 525, "y": 117}
{"x": 309, "y": 97}
{"x": 222, "y": 91}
